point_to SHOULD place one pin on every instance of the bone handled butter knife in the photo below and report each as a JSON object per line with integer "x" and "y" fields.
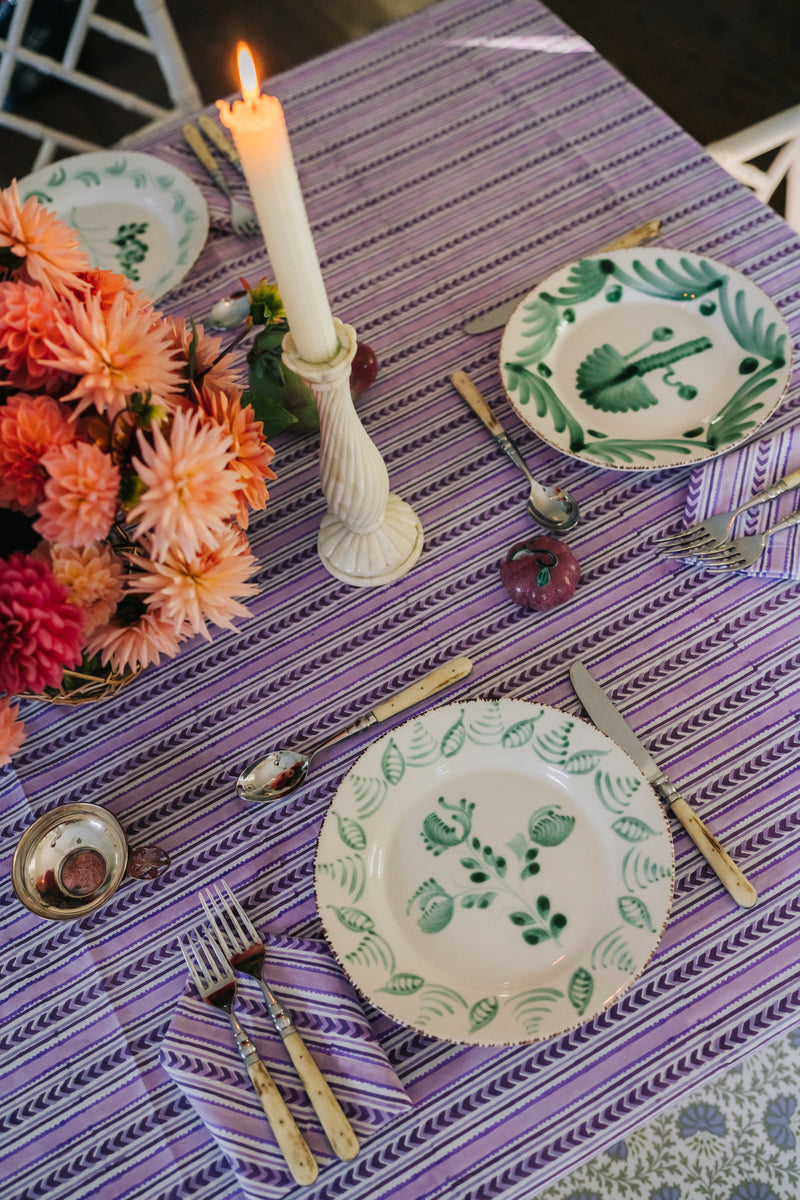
{"x": 608, "y": 719}
{"x": 496, "y": 318}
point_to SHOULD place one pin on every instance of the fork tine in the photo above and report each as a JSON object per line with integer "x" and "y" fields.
{"x": 238, "y": 913}
{"x": 190, "y": 964}
{"x": 212, "y": 910}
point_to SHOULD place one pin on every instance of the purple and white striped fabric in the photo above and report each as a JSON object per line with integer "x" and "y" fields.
{"x": 449, "y": 161}
{"x": 726, "y": 482}
{"x": 199, "y": 1053}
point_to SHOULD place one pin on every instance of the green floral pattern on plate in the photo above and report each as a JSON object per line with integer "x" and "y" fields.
{"x": 645, "y": 358}
{"x": 135, "y": 213}
{"x": 494, "y": 872}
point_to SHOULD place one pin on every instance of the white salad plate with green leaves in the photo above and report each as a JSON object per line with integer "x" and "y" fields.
{"x": 646, "y": 358}
{"x": 136, "y": 215}
{"x": 494, "y": 872}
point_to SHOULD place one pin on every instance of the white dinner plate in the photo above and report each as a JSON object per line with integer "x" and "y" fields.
{"x": 647, "y": 358}
{"x": 494, "y": 872}
{"x": 136, "y": 214}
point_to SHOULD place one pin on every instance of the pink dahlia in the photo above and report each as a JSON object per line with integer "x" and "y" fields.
{"x": 49, "y": 252}
{"x": 252, "y": 454}
{"x": 30, "y": 428}
{"x": 28, "y": 321}
{"x": 190, "y": 592}
{"x": 93, "y": 575}
{"x": 141, "y": 643}
{"x": 225, "y": 374}
{"x": 12, "y": 731}
{"x": 113, "y": 352}
{"x": 40, "y": 629}
{"x": 81, "y": 495}
{"x": 189, "y": 492}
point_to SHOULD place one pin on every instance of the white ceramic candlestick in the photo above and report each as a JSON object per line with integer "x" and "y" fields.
{"x": 369, "y": 536}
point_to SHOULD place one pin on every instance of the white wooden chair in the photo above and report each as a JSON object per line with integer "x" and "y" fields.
{"x": 780, "y": 133}
{"x": 158, "y": 39}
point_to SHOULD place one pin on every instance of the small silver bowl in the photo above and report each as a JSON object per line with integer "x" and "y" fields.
{"x": 69, "y": 861}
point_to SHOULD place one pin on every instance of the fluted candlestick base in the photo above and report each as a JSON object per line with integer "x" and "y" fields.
{"x": 369, "y": 537}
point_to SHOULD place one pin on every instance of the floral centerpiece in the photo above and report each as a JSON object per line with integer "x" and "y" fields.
{"x": 129, "y": 462}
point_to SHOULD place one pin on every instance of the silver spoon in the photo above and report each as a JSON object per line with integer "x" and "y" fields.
{"x": 550, "y": 507}
{"x": 230, "y": 311}
{"x": 281, "y": 771}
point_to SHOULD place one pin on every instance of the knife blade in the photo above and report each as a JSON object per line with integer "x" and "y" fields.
{"x": 496, "y": 318}
{"x": 610, "y": 720}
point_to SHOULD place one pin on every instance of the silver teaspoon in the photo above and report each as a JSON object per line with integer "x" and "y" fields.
{"x": 230, "y": 311}
{"x": 550, "y": 507}
{"x": 281, "y": 771}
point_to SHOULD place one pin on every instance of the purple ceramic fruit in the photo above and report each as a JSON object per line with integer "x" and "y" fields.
{"x": 540, "y": 573}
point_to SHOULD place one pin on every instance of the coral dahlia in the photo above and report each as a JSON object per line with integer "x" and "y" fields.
{"x": 93, "y": 575}
{"x": 49, "y": 252}
{"x": 140, "y": 643}
{"x": 40, "y": 629}
{"x": 28, "y": 321}
{"x": 30, "y": 427}
{"x": 252, "y": 454}
{"x": 192, "y": 591}
{"x": 81, "y": 495}
{"x": 114, "y": 352}
{"x": 12, "y": 731}
{"x": 189, "y": 491}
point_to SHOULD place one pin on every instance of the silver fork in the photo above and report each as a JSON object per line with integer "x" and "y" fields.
{"x": 744, "y": 551}
{"x": 714, "y": 531}
{"x": 215, "y": 982}
{"x": 240, "y": 943}
{"x": 243, "y": 219}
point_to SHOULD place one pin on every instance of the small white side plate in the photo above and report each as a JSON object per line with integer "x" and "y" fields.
{"x": 136, "y": 214}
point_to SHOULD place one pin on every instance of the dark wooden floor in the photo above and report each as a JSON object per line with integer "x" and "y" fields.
{"x": 714, "y": 65}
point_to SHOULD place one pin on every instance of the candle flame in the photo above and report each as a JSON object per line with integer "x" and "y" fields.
{"x": 247, "y": 73}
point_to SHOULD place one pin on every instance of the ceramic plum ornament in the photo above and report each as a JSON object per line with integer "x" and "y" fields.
{"x": 540, "y": 573}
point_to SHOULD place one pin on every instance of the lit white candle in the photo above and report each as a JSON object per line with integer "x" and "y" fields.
{"x": 259, "y": 130}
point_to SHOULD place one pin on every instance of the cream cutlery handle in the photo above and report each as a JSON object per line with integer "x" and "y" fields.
{"x": 299, "y": 1159}
{"x": 336, "y": 1125}
{"x": 721, "y": 863}
{"x": 466, "y": 388}
{"x": 216, "y": 134}
{"x": 442, "y": 677}
{"x": 787, "y": 484}
{"x": 195, "y": 140}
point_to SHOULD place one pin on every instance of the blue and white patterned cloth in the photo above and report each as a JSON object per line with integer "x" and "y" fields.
{"x": 200, "y": 1055}
{"x": 726, "y": 482}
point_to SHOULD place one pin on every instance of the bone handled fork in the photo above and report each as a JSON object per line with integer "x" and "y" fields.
{"x": 243, "y": 220}
{"x": 214, "y": 980}
{"x": 243, "y": 948}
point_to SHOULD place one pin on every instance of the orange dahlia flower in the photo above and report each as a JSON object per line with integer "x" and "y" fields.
{"x": 81, "y": 495}
{"x": 30, "y": 427}
{"x": 28, "y": 321}
{"x": 49, "y": 252}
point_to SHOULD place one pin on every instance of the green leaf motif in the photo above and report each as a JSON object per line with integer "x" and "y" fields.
{"x": 584, "y": 761}
{"x": 488, "y": 729}
{"x": 483, "y": 1012}
{"x": 368, "y": 794}
{"x": 455, "y": 737}
{"x": 348, "y": 873}
{"x": 541, "y": 320}
{"x": 372, "y": 951}
{"x": 354, "y": 919}
{"x": 392, "y": 763}
{"x": 436, "y": 906}
{"x": 550, "y": 826}
{"x": 440, "y": 835}
{"x": 438, "y": 1000}
{"x": 631, "y": 829}
{"x": 531, "y": 1007}
{"x": 422, "y": 749}
{"x": 612, "y": 951}
{"x": 669, "y": 283}
{"x": 351, "y": 833}
{"x": 520, "y": 733}
{"x": 639, "y": 871}
{"x": 580, "y": 989}
{"x": 635, "y": 912}
{"x": 553, "y": 744}
{"x": 615, "y": 792}
{"x": 533, "y": 387}
{"x": 404, "y": 983}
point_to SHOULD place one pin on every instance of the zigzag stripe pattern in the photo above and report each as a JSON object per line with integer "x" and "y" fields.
{"x": 441, "y": 175}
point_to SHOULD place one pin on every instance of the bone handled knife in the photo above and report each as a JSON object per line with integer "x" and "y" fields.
{"x": 608, "y": 719}
{"x": 496, "y": 318}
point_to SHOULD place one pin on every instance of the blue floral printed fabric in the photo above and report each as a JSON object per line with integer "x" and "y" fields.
{"x": 735, "y": 1139}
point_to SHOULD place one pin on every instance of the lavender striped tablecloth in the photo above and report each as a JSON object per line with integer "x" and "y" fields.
{"x": 448, "y": 162}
